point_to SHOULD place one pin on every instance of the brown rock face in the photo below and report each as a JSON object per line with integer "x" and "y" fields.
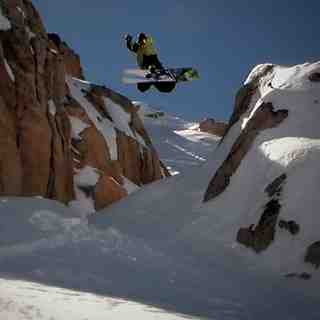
{"x": 10, "y": 161}
{"x": 108, "y": 191}
{"x": 213, "y": 127}
{"x": 7, "y": 87}
{"x": 95, "y": 96}
{"x": 37, "y": 142}
{"x": 23, "y": 13}
{"x": 245, "y": 96}
{"x": 138, "y": 163}
{"x": 71, "y": 61}
{"x": 263, "y": 118}
{"x": 95, "y": 153}
{"x": 151, "y": 170}
{"x": 260, "y": 237}
{"x": 75, "y": 110}
{"x": 61, "y": 173}
{"x": 313, "y": 254}
{"x": 315, "y": 77}
{"x": 35, "y": 149}
{"x": 70, "y": 58}
{"x": 38, "y": 154}
{"x": 135, "y": 124}
{"x": 130, "y": 164}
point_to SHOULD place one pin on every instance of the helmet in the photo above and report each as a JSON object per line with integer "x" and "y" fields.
{"x": 141, "y": 36}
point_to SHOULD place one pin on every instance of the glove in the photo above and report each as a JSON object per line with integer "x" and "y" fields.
{"x": 127, "y": 37}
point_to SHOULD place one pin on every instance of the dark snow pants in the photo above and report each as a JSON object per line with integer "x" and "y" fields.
{"x": 161, "y": 86}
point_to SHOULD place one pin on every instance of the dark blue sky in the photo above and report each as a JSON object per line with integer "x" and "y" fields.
{"x": 223, "y": 39}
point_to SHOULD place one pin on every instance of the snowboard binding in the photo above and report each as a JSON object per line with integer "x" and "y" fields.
{"x": 156, "y": 74}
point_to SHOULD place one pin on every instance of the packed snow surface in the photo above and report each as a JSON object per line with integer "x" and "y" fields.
{"x": 28, "y": 300}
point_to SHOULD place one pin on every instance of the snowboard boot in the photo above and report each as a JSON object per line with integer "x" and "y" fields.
{"x": 142, "y": 87}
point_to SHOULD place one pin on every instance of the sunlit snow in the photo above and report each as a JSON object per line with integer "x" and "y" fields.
{"x": 165, "y": 249}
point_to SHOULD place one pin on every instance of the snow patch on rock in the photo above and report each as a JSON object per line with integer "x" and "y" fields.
{"x": 52, "y": 107}
{"x": 78, "y": 89}
{"x": 129, "y": 185}
{"x": 77, "y": 126}
{"x": 31, "y": 34}
{"x": 4, "y": 22}
{"x": 84, "y": 182}
{"x": 9, "y": 70}
{"x": 22, "y": 12}
{"x": 87, "y": 177}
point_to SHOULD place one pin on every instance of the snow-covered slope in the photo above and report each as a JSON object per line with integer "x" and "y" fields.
{"x": 180, "y": 144}
{"x": 290, "y": 148}
{"x": 57, "y": 267}
{"x": 28, "y": 300}
{"x": 53, "y": 266}
{"x": 172, "y": 215}
{"x": 164, "y": 246}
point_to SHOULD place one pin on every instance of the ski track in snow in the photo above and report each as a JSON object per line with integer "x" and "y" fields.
{"x": 180, "y": 147}
{"x": 191, "y": 154}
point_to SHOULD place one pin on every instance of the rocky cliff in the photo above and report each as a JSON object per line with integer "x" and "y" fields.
{"x": 55, "y": 126}
{"x": 268, "y": 176}
{"x": 210, "y": 125}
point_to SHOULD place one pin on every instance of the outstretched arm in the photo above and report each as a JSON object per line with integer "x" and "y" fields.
{"x": 130, "y": 46}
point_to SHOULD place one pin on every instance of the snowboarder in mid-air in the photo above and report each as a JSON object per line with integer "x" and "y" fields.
{"x": 147, "y": 59}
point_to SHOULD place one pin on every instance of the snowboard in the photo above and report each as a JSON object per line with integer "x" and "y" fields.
{"x": 131, "y": 76}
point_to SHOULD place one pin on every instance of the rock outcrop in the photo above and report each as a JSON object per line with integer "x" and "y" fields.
{"x": 264, "y": 118}
{"x": 211, "y": 126}
{"x": 260, "y": 237}
{"x": 265, "y": 177}
{"x": 40, "y": 148}
{"x": 313, "y": 254}
{"x": 33, "y": 81}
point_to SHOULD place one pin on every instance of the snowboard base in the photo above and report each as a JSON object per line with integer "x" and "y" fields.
{"x": 132, "y": 76}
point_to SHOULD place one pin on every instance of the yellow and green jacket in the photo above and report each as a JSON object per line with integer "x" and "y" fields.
{"x": 145, "y": 49}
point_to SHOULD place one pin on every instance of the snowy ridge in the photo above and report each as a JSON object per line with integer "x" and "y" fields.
{"x": 9, "y": 71}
